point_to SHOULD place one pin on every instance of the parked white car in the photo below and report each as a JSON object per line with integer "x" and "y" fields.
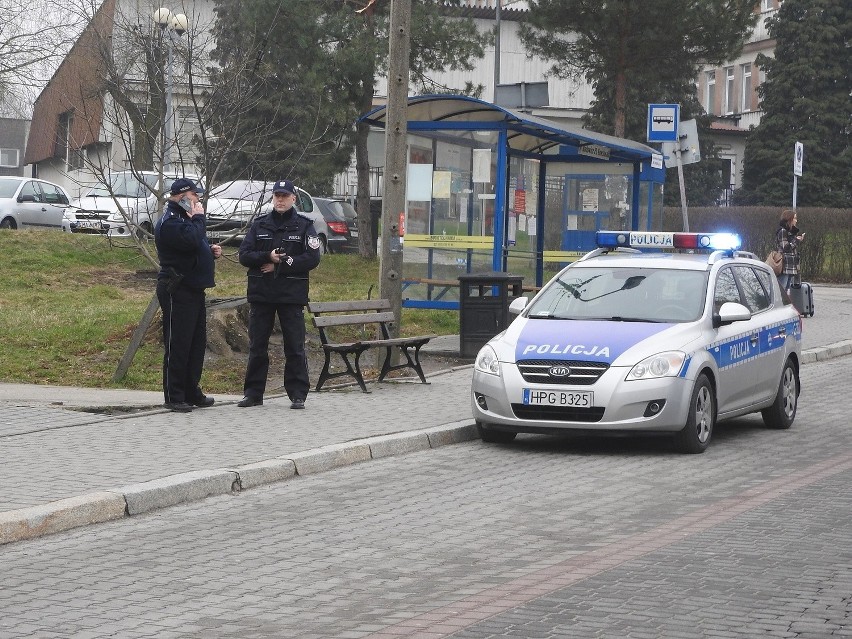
{"x": 100, "y": 209}
{"x": 32, "y": 203}
{"x": 232, "y": 206}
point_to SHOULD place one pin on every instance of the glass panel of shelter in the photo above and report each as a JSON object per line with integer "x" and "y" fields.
{"x": 449, "y": 216}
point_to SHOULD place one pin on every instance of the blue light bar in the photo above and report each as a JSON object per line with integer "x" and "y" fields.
{"x": 659, "y": 240}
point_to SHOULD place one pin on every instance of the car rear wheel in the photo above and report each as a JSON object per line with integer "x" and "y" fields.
{"x": 490, "y": 435}
{"x": 695, "y": 436}
{"x": 783, "y": 410}
{"x": 8, "y": 223}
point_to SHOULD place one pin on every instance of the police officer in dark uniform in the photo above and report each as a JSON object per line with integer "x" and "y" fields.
{"x": 186, "y": 269}
{"x": 279, "y": 250}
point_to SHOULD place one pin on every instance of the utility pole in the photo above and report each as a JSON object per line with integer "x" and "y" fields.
{"x": 497, "y": 30}
{"x": 396, "y": 157}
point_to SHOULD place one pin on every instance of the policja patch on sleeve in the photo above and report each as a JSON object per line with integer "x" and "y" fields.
{"x": 313, "y": 242}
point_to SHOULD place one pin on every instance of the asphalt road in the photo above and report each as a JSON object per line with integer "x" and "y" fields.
{"x": 546, "y": 537}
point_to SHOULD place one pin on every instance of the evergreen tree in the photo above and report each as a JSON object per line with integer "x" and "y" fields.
{"x": 636, "y": 53}
{"x": 807, "y": 97}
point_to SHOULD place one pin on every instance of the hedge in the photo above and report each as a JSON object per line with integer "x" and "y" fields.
{"x": 827, "y": 249}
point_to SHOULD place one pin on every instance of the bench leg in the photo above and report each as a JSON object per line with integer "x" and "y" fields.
{"x": 413, "y": 362}
{"x": 352, "y": 371}
{"x": 324, "y": 373}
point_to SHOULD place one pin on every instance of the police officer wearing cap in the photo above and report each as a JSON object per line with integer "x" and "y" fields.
{"x": 186, "y": 270}
{"x": 279, "y": 250}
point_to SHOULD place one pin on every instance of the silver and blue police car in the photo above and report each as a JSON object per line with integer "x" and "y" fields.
{"x": 670, "y": 340}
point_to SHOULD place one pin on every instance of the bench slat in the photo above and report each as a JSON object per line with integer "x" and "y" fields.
{"x": 348, "y": 320}
{"x": 346, "y": 306}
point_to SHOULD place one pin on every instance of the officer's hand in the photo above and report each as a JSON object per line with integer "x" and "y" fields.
{"x": 267, "y": 268}
{"x": 275, "y": 257}
{"x": 197, "y": 208}
{"x": 217, "y": 251}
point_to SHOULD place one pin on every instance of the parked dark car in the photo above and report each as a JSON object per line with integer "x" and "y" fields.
{"x": 342, "y": 223}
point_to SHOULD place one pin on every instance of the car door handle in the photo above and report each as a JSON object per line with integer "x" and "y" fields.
{"x": 754, "y": 340}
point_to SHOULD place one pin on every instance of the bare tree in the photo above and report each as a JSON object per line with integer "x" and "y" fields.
{"x": 34, "y": 37}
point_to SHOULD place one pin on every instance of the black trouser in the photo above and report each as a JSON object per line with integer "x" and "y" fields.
{"x": 185, "y": 340}
{"x": 261, "y": 323}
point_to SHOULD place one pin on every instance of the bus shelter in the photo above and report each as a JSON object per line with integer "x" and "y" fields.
{"x": 498, "y": 190}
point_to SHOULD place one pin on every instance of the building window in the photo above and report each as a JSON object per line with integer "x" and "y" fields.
{"x": 710, "y": 93}
{"x": 9, "y": 158}
{"x": 75, "y": 159}
{"x": 729, "y": 90}
{"x": 186, "y": 128}
{"x": 767, "y": 5}
{"x": 746, "y": 95}
{"x": 62, "y": 131}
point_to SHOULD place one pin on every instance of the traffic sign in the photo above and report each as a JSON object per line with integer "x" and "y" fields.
{"x": 662, "y": 122}
{"x": 798, "y": 156}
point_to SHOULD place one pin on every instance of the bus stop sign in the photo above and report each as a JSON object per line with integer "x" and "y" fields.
{"x": 662, "y": 122}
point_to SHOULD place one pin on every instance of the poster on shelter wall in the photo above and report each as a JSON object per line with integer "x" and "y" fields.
{"x": 482, "y": 166}
{"x": 441, "y": 181}
{"x": 419, "y": 188}
{"x": 448, "y": 156}
{"x": 590, "y": 199}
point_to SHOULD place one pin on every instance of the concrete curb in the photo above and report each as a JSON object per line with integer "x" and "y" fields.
{"x": 137, "y": 499}
{"x": 822, "y": 353}
{"x": 57, "y": 516}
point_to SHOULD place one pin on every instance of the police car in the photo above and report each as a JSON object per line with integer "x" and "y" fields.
{"x": 669, "y": 340}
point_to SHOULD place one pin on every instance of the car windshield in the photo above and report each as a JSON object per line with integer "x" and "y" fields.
{"x": 8, "y": 187}
{"x": 623, "y": 294}
{"x": 241, "y": 190}
{"x": 123, "y": 185}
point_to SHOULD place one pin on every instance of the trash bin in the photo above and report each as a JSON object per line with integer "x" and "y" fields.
{"x": 484, "y": 300}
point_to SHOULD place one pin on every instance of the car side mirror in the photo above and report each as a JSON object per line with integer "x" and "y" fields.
{"x": 27, "y": 198}
{"x": 518, "y": 305}
{"x": 729, "y": 313}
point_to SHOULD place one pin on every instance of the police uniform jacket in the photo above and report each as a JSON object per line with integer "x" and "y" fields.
{"x": 293, "y": 233}
{"x": 182, "y": 245}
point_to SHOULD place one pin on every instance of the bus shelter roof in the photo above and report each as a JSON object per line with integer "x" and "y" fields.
{"x": 525, "y": 133}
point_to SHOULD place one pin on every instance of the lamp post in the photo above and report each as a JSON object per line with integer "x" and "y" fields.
{"x": 171, "y": 26}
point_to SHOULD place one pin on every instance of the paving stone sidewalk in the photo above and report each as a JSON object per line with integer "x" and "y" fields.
{"x": 65, "y": 468}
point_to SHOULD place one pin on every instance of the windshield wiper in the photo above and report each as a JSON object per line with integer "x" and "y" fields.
{"x": 619, "y": 318}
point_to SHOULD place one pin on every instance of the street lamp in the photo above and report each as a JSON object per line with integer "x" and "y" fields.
{"x": 171, "y": 26}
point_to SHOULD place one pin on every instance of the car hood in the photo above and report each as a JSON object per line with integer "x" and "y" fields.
{"x": 104, "y": 203}
{"x": 609, "y": 342}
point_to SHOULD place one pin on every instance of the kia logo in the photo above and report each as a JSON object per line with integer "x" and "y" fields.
{"x": 559, "y": 371}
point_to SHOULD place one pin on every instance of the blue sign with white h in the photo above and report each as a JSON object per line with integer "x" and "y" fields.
{"x": 662, "y": 122}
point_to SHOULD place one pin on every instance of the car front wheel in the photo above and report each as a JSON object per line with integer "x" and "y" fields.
{"x": 695, "y": 436}
{"x": 783, "y": 410}
{"x": 8, "y": 223}
{"x": 492, "y": 436}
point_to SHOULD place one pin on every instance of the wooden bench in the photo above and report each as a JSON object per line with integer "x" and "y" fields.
{"x": 330, "y": 317}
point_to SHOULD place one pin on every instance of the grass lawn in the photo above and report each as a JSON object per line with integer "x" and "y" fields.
{"x": 69, "y": 304}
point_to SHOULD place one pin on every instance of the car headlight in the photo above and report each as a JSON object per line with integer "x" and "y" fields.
{"x": 666, "y": 364}
{"x": 487, "y": 362}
